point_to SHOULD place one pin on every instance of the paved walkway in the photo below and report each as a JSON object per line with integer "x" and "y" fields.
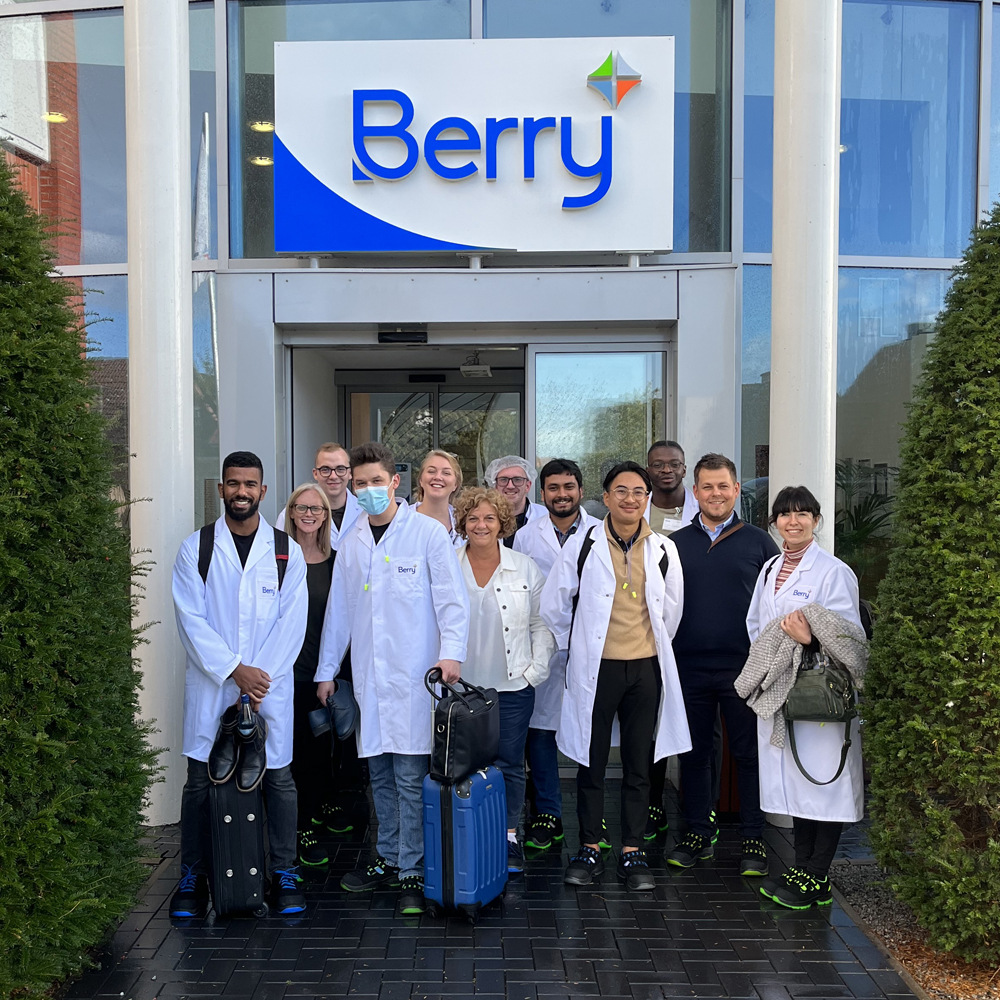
{"x": 701, "y": 933}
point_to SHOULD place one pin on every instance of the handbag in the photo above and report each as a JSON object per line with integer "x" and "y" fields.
{"x": 466, "y": 728}
{"x": 823, "y": 692}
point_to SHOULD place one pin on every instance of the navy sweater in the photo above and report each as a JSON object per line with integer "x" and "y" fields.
{"x": 719, "y": 578}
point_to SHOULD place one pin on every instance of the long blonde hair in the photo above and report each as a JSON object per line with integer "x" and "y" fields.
{"x": 452, "y": 460}
{"x": 323, "y": 531}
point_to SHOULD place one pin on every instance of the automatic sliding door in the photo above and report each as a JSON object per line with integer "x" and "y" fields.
{"x": 478, "y": 427}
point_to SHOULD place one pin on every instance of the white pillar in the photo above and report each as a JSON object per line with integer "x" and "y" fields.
{"x": 161, "y": 422}
{"x": 804, "y": 250}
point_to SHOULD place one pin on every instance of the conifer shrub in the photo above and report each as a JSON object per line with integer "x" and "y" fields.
{"x": 74, "y": 764}
{"x": 933, "y": 688}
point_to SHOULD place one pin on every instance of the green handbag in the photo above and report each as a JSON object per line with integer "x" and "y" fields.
{"x": 823, "y": 692}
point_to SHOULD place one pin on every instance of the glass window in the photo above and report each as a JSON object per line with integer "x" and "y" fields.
{"x": 702, "y": 102}
{"x": 598, "y": 410}
{"x": 206, "y": 399}
{"x": 756, "y": 391}
{"x": 995, "y": 110}
{"x": 254, "y": 27}
{"x": 62, "y": 91}
{"x": 908, "y": 126}
{"x": 478, "y": 426}
{"x": 205, "y": 232}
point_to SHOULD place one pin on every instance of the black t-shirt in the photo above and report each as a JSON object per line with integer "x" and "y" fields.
{"x": 521, "y": 519}
{"x": 338, "y": 516}
{"x": 378, "y": 530}
{"x": 243, "y": 543}
{"x": 318, "y": 578}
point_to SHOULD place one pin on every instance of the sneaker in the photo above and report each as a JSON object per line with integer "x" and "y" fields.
{"x": 657, "y": 823}
{"x": 379, "y": 872}
{"x": 798, "y": 890}
{"x": 545, "y": 829}
{"x": 191, "y": 897}
{"x": 633, "y": 870}
{"x": 584, "y": 867}
{"x": 411, "y": 895}
{"x": 604, "y": 842}
{"x": 311, "y": 851}
{"x": 715, "y": 827}
{"x": 753, "y": 857}
{"x": 285, "y": 890}
{"x": 689, "y": 849}
{"x": 335, "y": 818}
{"x": 515, "y": 856}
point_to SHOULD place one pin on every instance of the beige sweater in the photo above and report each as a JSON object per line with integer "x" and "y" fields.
{"x": 630, "y": 633}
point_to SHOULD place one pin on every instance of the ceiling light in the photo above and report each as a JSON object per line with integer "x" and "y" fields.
{"x": 261, "y": 161}
{"x": 473, "y": 369}
{"x": 262, "y": 126}
{"x": 55, "y": 117}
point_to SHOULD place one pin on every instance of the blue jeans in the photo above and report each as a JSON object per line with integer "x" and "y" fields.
{"x": 397, "y": 781}
{"x": 515, "y": 711}
{"x": 543, "y": 756}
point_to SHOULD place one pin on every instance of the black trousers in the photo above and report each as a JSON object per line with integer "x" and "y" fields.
{"x": 815, "y": 845}
{"x": 658, "y": 769}
{"x": 630, "y": 689}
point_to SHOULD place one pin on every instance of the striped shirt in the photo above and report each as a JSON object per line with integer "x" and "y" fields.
{"x": 788, "y": 563}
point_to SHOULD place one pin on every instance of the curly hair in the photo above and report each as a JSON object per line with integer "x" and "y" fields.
{"x": 472, "y": 496}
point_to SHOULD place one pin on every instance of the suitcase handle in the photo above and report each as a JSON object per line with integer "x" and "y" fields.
{"x": 433, "y": 676}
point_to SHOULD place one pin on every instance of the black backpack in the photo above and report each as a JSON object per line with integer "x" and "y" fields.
{"x": 206, "y": 546}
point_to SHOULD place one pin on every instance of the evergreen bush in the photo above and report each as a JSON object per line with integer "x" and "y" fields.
{"x": 74, "y": 764}
{"x": 933, "y": 687}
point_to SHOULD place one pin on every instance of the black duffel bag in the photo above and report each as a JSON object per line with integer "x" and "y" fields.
{"x": 466, "y": 729}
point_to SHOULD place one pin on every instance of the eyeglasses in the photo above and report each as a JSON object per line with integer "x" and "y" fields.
{"x": 675, "y": 466}
{"x": 339, "y": 470}
{"x": 518, "y": 481}
{"x": 623, "y": 492}
{"x": 301, "y": 508}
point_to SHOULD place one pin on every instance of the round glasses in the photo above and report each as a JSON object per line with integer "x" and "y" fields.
{"x": 623, "y": 492}
{"x": 338, "y": 470}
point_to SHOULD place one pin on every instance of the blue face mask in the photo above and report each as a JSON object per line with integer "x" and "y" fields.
{"x": 374, "y": 500}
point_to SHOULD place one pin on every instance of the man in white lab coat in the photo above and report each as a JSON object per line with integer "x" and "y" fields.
{"x": 399, "y": 601}
{"x": 242, "y": 628}
{"x": 333, "y": 473}
{"x": 513, "y": 477}
{"x": 543, "y": 539}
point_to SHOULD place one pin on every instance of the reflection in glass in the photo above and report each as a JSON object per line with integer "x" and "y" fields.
{"x": 201, "y": 21}
{"x": 758, "y": 128}
{"x": 206, "y": 399}
{"x": 254, "y": 27}
{"x": 403, "y": 421}
{"x": 479, "y": 426}
{"x": 597, "y": 409}
{"x": 756, "y": 392}
{"x": 62, "y": 97}
{"x": 995, "y": 111}
{"x": 702, "y": 100}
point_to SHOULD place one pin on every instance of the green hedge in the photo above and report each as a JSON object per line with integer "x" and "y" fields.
{"x": 934, "y": 682}
{"x": 74, "y": 765}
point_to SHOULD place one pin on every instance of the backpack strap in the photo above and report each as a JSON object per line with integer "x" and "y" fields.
{"x": 771, "y": 566}
{"x": 206, "y": 546}
{"x": 281, "y": 554}
{"x": 588, "y": 544}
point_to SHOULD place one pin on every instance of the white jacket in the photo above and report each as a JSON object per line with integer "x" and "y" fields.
{"x": 665, "y": 601}
{"x": 824, "y": 579}
{"x": 351, "y": 510}
{"x": 401, "y": 606}
{"x": 239, "y": 616}
{"x": 530, "y": 644}
{"x": 691, "y": 508}
{"x": 537, "y": 539}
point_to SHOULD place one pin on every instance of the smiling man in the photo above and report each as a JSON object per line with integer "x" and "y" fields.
{"x": 513, "y": 477}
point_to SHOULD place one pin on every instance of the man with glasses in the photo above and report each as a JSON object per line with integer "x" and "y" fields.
{"x": 513, "y": 477}
{"x": 671, "y": 504}
{"x": 333, "y": 473}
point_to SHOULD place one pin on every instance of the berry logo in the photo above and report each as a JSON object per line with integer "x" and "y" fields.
{"x": 613, "y": 79}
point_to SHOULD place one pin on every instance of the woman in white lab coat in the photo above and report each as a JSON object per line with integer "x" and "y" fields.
{"x": 804, "y": 573}
{"x": 438, "y": 483}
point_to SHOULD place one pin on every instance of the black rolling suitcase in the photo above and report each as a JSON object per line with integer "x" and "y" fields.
{"x": 237, "y": 850}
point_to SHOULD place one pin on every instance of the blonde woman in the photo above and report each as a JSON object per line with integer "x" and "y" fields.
{"x": 509, "y": 644}
{"x": 438, "y": 482}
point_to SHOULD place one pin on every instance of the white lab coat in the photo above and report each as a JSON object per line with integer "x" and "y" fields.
{"x": 823, "y": 579}
{"x": 537, "y": 539}
{"x": 351, "y": 510}
{"x": 239, "y": 616}
{"x": 456, "y": 539}
{"x": 401, "y": 605}
{"x": 691, "y": 508}
{"x": 665, "y": 601}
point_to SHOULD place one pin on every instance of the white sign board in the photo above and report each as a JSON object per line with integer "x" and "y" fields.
{"x": 527, "y": 144}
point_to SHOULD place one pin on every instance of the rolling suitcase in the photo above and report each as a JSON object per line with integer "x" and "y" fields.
{"x": 237, "y": 850}
{"x": 465, "y": 842}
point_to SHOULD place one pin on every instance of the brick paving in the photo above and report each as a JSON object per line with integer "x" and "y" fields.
{"x": 705, "y": 932}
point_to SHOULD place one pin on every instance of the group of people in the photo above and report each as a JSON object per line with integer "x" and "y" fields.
{"x": 631, "y": 629}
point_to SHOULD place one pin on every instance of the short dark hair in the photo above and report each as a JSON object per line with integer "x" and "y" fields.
{"x": 557, "y": 466}
{"x": 797, "y": 498}
{"x": 621, "y": 467}
{"x": 663, "y": 444}
{"x": 713, "y": 460}
{"x": 373, "y": 453}
{"x": 242, "y": 460}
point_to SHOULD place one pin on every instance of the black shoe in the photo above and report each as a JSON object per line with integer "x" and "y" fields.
{"x": 798, "y": 890}
{"x": 633, "y": 870}
{"x": 604, "y": 842}
{"x": 515, "y": 857}
{"x": 225, "y": 751}
{"x": 753, "y": 857}
{"x": 285, "y": 894}
{"x": 336, "y": 819}
{"x": 545, "y": 829}
{"x": 411, "y": 895}
{"x": 715, "y": 827}
{"x": 584, "y": 867}
{"x": 690, "y": 849}
{"x": 191, "y": 897}
{"x": 311, "y": 851}
{"x": 656, "y": 824}
{"x": 379, "y": 872}
{"x": 252, "y": 763}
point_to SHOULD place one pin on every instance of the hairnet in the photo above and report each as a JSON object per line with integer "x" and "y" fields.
{"x": 507, "y": 462}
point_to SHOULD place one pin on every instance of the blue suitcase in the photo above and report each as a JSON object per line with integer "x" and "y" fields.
{"x": 465, "y": 842}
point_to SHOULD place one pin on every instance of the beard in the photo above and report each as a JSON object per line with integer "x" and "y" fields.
{"x": 241, "y": 515}
{"x": 570, "y": 511}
